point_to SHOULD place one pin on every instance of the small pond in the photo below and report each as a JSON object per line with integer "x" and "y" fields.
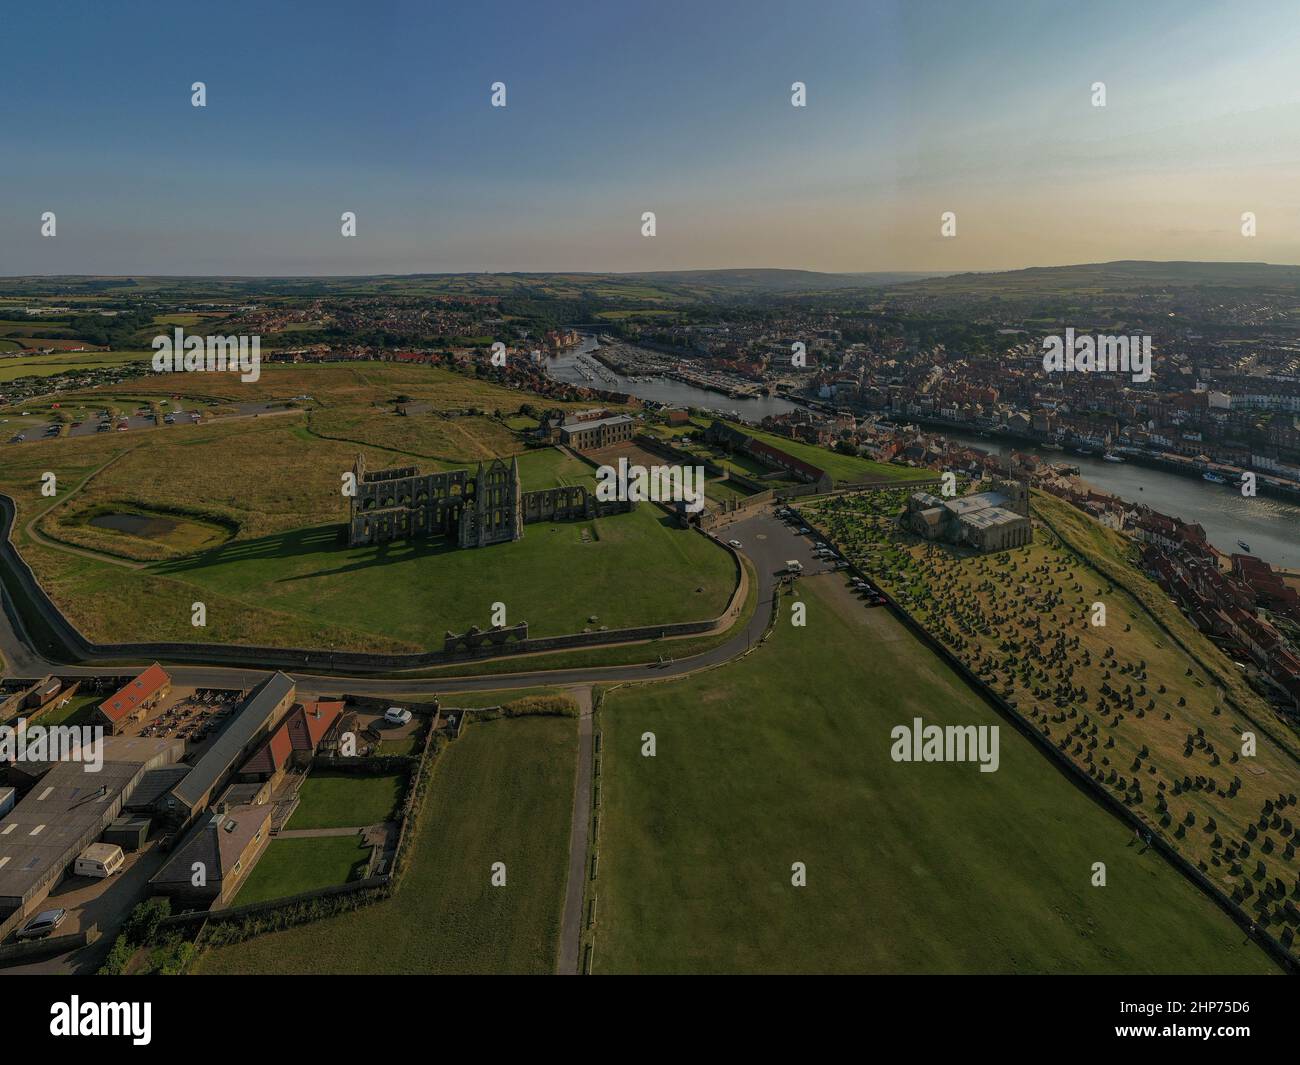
{"x": 135, "y": 524}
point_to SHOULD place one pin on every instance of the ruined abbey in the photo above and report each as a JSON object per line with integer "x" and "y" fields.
{"x": 486, "y": 507}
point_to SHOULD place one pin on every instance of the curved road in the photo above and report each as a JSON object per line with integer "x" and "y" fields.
{"x": 766, "y": 541}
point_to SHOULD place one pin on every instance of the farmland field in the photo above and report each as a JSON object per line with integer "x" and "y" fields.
{"x": 447, "y": 917}
{"x": 54, "y": 365}
{"x": 695, "y": 863}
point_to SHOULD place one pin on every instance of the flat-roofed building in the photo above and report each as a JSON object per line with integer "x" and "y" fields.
{"x": 66, "y": 811}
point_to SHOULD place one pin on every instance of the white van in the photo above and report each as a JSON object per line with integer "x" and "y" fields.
{"x": 99, "y": 860}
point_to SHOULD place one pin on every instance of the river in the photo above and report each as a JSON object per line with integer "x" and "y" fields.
{"x": 665, "y": 390}
{"x": 1270, "y": 526}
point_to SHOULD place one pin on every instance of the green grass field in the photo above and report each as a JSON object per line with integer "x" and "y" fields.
{"x": 840, "y": 467}
{"x": 551, "y": 578}
{"x": 503, "y": 792}
{"x": 76, "y": 711}
{"x": 911, "y": 868}
{"x": 346, "y": 800}
{"x": 57, "y": 364}
{"x": 286, "y": 577}
{"x": 427, "y": 435}
{"x": 291, "y": 866}
{"x": 1132, "y": 708}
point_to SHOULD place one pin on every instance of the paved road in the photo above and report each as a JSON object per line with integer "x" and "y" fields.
{"x": 767, "y": 542}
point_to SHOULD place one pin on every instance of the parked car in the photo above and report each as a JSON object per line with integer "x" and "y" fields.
{"x": 396, "y": 715}
{"x": 42, "y": 924}
{"x": 734, "y": 543}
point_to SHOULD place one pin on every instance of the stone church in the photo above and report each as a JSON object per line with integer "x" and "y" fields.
{"x": 475, "y": 510}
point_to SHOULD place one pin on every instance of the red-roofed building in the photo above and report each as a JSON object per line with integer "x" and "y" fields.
{"x": 774, "y": 456}
{"x": 294, "y": 742}
{"x": 134, "y": 698}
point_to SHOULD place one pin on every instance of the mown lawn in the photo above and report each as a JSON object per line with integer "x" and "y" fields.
{"x": 503, "y": 792}
{"x": 346, "y": 800}
{"x": 633, "y": 569}
{"x": 932, "y": 867}
{"x": 303, "y": 587}
{"x": 76, "y": 711}
{"x": 294, "y": 865}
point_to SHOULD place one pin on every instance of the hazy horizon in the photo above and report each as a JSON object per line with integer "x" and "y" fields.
{"x": 236, "y": 276}
{"x": 684, "y": 109}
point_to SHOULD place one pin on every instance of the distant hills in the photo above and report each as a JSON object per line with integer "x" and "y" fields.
{"x": 675, "y": 286}
{"x": 773, "y": 280}
{"x": 1113, "y": 278}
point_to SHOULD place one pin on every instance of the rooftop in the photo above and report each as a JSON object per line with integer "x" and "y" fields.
{"x": 231, "y": 741}
{"x": 129, "y": 697}
{"x": 217, "y": 844}
{"x": 68, "y": 809}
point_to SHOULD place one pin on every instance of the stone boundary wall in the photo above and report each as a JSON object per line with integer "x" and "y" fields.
{"x": 1076, "y": 775}
{"x": 234, "y": 913}
{"x": 31, "y": 949}
{"x": 64, "y": 642}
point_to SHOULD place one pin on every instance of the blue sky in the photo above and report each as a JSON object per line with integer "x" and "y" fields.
{"x": 614, "y": 108}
